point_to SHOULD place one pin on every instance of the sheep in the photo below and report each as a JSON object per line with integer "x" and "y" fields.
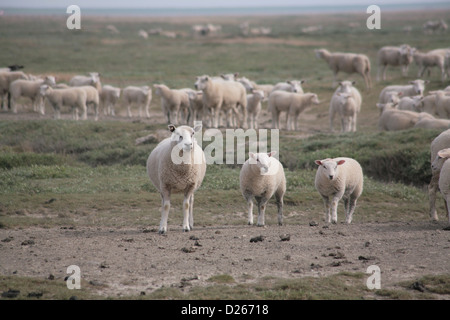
{"x": 30, "y": 89}
{"x": 441, "y": 164}
{"x": 392, "y": 119}
{"x": 92, "y": 80}
{"x": 394, "y": 56}
{"x": 428, "y": 123}
{"x": 409, "y": 103}
{"x": 416, "y": 87}
{"x": 291, "y": 103}
{"x": 196, "y": 105}
{"x": 349, "y": 104}
{"x": 442, "y": 104}
{"x": 142, "y": 96}
{"x": 223, "y": 95}
{"x": 348, "y": 63}
{"x": 172, "y": 101}
{"x": 289, "y": 86}
{"x": 428, "y": 60}
{"x": 254, "y": 107}
{"x": 339, "y": 178}
{"x": 251, "y": 85}
{"x": 6, "y": 77}
{"x": 432, "y": 26}
{"x": 171, "y": 173}
{"x": 74, "y": 97}
{"x": 442, "y": 141}
{"x": 109, "y": 96}
{"x": 261, "y": 177}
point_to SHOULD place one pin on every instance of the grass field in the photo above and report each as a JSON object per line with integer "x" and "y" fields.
{"x": 83, "y": 174}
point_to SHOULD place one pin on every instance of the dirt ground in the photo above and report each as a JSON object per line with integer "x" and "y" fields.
{"x": 126, "y": 261}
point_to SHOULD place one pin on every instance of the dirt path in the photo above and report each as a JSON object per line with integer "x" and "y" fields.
{"x": 127, "y": 261}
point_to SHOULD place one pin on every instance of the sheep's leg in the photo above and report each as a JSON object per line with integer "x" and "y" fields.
{"x": 288, "y": 122}
{"x": 261, "y": 211}
{"x": 14, "y": 105}
{"x": 353, "y": 122}
{"x": 447, "y": 207}
{"x": 350, "y": 209}
{"x": 96, "y": 111}
{"x": 84, "y": 112}
{"x": 250, "y": 210}
{"x": 165, "y": 196}
{"x": 332, "y": 115}
{"x": 432, "y": 190}
{"x": 334, "y": 205}
{"x": 186, "y": 211}
{"x": 147, "y": 110}
{"x": 191, "y": 212}
{"x": 326, "y": 202}
{"x": 280, "y": 203}
{"x": 275, "y": 122}
{"x": 216, "y": 117}
{"x": 129, "y": 110}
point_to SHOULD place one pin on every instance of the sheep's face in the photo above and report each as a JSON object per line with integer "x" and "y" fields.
{"x": 184, "y": 136}
{"x": 419, "y": 86}
{"x": 315, "y": 99}
{"x": 259, "y": 94}
{"x": 346, "y": 86}
{"x": 296, "y": 86}
{"x": 329, "y": 167}
{"x": 202, "y": 82}
{"x": 246, "y": 83}
{"x": 319, "y": 53}
{"x": 262, "y": 161}
{"x": 441, "y": 157}
{"x": 43, "y": 90}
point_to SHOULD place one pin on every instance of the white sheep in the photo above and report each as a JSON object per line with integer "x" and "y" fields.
{"x": 442, "y": 103}
{"x": 172, "y": 173}
{"x": 428, "y": 123}
{"x": 424, "y": 61}
{"x": 336, "y": 179}
{"x": 348, "y": 63}
{"x": 226, "y": 96}
{"x": 254, "y": 107}
{"x": 392, "y": 119}
{"x": 173, "y": 101}
{"x": 6, "y": 77}
{"x": 441, "y": 164}
{"x": 261, "y": 177}
{"x": 109, "y": 96}
{"x": 409, "y": 103}
{"x": 442, "y": 141}
{"x": 346, "y": 101}
{"x": 251, "y": 85}
{"x": 394, "y": 56}
{"x": 30, "y": 89}
{"x": 432, "y": 26}
{"x": 140, "y": 96}
{"x": 196, "y": 105}
{"x": 416, "y": 87}
{"x": 92, "y": 80}
{"x": 289, "y": 86}
{"x": 291, "y": 103}
{"x": 73, "y": 97}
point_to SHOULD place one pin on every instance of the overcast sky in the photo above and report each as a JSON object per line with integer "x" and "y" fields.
{"x": 193, "y": 3}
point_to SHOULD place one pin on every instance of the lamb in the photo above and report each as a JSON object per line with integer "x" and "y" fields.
{"x": 223, "y": 95}
{"x": 289, "y": 86}
{"x": 92, "y": 80}
{"x": 196, "y": 105}
{"x": 261, "y": 177}
{"x": 346, "y": 101}
{"x": 6, "y": 77}
{"x": 428, "y": 123}
{"x": 409, "y": 103}
{"x": 291, "y": 103}
{"x": 442, "y": 104}
{"x": 142, "y": 96}
{"x": 251, "y": 85}
{"x": 441, "y": 164}
{"x": 416, "y": 87}
{"x": 172, "y": 101}
{"x": 348, "y": 63}
{"x": 394, "y": 56}
{"x": 171, "y": 173}
{"x": 428, "y": 60}
{"x": 254, "y": 107}
{"x": 339, "y": 178}
{"x": 442, "y": 141}
{"x": 74, "y": 97}
{"x": 30, "y": 89}
{"x": 392, "y": 119}
{"x": 109, "y": 96}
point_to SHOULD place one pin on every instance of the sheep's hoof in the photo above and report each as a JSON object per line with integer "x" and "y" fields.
{"x": 186, "y": 230}
{"x": 162, "y": 232}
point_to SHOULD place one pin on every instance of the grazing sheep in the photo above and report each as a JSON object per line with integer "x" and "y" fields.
{"x": 441, "y": 164}
{"x": 6, "y": 77}
{"x": 392, "y": 119}
{"x": 254, "y": 107}
{"x": 261, "y": 177}
{"x": 223, "y": 95}
{"x": 428, "y": 123}
{"x": 291, "y": 103}
{"x": 346, "y": 105}
{"x": 142, "y": 96}
{"x": 416, "y": 87}
{"x": 394, "y": 56}
{"x": 424, "y": 61}
{"x": 172, "y": 101}
{"x": 430, "y": 27}
{"x": 109, "y": 96}
{"x": 171, "y": 173}
{"x": 73, "y": 97}
{"x": 289, "y": 86}
{"x": 30, "y": 89}
{"x": 339, "y": 178}
{"x": 348, "y": 63}
{"x": 442, "y": 104}
{"x": 409, "y": 103}
{"x": 442, "y": 141}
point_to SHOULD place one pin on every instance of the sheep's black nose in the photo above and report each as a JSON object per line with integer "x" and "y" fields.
{"x": 331, "y": 177}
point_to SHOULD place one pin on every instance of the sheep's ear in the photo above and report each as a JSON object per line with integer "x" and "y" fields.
{"x": 318, "y": 162}
{"x": 400, "y": 93}
{"x": 252, "y": 155}
{"x": 340, "y": 162}
{"x": 302, "y": 81}
{"x": 272, "y": 153}
{"x": 353, "y": 82}
{"x": 236, "y": 74}
{"x": 444, "y": 153}
{"x": 171, "y": 127}
{"x": 426, "y": 81}
{"x": 289, "y": 81}
{"x": 197, "y": 128}
{"x": 340, "y": 83}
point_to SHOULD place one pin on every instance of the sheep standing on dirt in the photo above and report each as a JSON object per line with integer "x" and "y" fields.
{"x": 223, "y": 95}
{"x": 394, "y": 56}
{"x": 6, "y": 78}
{"x": 109, "y": 96}
{"x": 74, "y": 97}
{"x": 441, "y": 164}
{"x": 424, "y": 61}
{"x": 172, "y": 102}
{"x": 416, "y": 87}
{"x": 339, "y": 178}
{"x": 30, "y": 89}
{"x": 346, "y": 101}
{"x": 254, "y": 107}
{"x": 442, "y": 141}
{"x": 291, "y": 103}
{"x": 261, "y": 177}
{"x": 172, "y": 173}
{"x": 141, "y": 96}
{"x": 348, "y": 63}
